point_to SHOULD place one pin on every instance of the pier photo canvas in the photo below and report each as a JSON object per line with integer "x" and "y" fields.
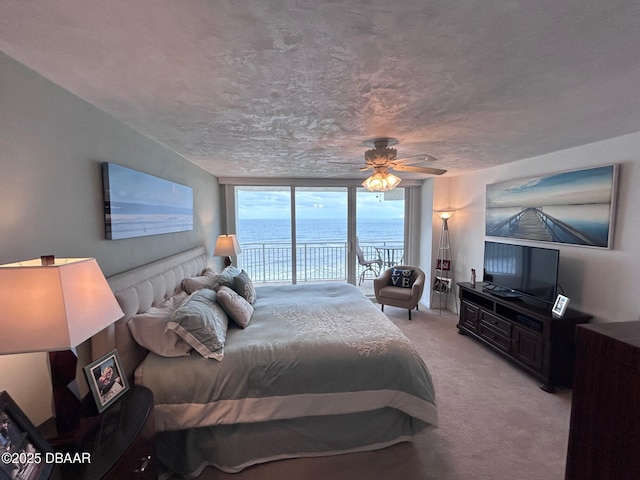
{"x": 575, "y": 207}
{"x": 138, "y": 204}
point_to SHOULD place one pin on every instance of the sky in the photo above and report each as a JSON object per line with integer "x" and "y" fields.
{"x": 322, "y": 203}
{"x": 588, "y": 186}
{"x": 132, "y": 186}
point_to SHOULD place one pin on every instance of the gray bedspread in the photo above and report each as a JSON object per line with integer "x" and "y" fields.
{"x": 309, "y": 351}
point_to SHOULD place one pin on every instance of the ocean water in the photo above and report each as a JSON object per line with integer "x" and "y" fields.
{"x": 321, "y": 252}
{"x": 369, "y": 231}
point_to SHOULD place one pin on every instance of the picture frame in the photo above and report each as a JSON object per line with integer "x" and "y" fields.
{"x": 443, "y": 265}
{"x": 138, "y": 204}
{"x": 106, "y": 380}
{"x": 560, "y": 305}
{"x": 441, "y": 285}
{"x": 572, "y": 207}
{"x": 24, "y": 449}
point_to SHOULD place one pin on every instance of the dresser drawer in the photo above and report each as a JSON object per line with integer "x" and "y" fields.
{"x": 495, "y": 337}
{"x": 496, "y": 323}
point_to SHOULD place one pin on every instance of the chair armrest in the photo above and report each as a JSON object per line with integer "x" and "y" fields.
{"x": 382, "y": 280}
{"x": 418, "y": 286}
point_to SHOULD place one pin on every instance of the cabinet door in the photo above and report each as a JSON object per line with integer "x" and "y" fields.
{"x": 527, "y": 346}
{"x": 139, "y": 461}
{"x": 604, "y": 438}
{"x": 469, "y": 315}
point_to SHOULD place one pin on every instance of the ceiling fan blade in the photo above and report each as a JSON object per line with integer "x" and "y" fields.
{"x": 411, "y": 168}
{"x": 416, "y": 158}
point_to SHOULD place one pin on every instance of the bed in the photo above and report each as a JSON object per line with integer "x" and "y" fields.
{"x": 319, "y": 370}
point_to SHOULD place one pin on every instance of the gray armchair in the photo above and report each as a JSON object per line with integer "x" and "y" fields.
{"x": 397, "y": 296}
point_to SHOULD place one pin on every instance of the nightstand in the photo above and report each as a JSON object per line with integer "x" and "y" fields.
{"x": 121, "y": 442}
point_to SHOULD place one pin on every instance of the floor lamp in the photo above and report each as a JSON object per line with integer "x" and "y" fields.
{"x": 53, "y": 305}
{"x": 443, "y": 281}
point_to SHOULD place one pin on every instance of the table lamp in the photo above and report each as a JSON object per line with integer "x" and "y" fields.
{"x": 52, "y": 305}
{"x": 227, "y": 246}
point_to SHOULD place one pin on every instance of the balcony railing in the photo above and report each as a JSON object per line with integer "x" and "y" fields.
{"x": 271, "y": 262}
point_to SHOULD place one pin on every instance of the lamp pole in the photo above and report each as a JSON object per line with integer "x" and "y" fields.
{"x": 443, "y": 281}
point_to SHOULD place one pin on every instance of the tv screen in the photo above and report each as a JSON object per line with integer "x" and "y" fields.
{"x": 520, "y": 269}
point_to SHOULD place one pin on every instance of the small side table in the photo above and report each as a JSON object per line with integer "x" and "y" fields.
{"x": 120, "y": 441}
{"x": 388, "y": 254}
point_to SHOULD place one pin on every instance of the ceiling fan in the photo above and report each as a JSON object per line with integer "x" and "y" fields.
{"x": 381, "y": 159}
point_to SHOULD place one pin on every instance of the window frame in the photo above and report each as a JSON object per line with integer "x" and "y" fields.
{"x": 411, "y": 213}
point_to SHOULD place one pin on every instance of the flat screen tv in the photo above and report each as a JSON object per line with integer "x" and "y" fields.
{"x": 517, "y": 270}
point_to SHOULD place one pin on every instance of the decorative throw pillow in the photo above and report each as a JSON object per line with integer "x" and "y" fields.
{"x": 401, "y": 277}
{"x": 225, "y": 278}
{"x": 201, "y": 323}
{"x": 194, "y": 284}
{"x": 243, "y": 286}
{"x": 236, "y": 306}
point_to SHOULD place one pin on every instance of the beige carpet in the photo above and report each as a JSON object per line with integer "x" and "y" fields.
{"x": 495, "y": 423}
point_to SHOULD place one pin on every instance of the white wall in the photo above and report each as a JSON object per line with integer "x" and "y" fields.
{"x": 52, "y": 145}
{"x": 426, "y": 253}
{"x": 600, "y": 282}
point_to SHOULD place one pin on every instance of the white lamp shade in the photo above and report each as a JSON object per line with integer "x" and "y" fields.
{"x": 56, "y": 307}
{"x": 226, "y": 246}
{"x": 445, "y": 214}
{"x": 381, "y": 181}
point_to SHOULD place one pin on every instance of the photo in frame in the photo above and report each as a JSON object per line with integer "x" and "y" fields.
{"x": 24, "y": 450}
{"x": 441, "y": 285}
{"x": 106, "y": 380}
{"x": 443, "y": 265}
{"x": 560, "y": 305}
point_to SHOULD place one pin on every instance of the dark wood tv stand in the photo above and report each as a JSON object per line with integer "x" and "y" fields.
{"x": 522, "y": 330}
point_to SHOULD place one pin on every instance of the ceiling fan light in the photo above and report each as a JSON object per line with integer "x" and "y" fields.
{"x": 381, "y": 181}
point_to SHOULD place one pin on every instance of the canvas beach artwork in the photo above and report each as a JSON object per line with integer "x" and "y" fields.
{"x": 575, "y": 207}
{"x": 138, "y": 204}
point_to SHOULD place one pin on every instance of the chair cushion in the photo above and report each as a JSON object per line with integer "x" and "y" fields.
{"x": 397, "y": 293}
{"x": 401, "y": 277}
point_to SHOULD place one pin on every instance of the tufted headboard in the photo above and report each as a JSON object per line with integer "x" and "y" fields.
{"x": 136, "y": 291}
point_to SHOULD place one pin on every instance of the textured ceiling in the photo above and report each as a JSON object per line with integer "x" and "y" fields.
{"x": 295, "y": 88}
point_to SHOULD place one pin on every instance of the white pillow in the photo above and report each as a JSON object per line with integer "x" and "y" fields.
{"x": 193, "y": 284}
{"x": 148, "y": 329}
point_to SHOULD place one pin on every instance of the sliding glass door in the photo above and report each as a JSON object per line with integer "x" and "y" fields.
{"x": 263, "y": 227}
{"x": 311, "y": 234}
{"x": 321, "y": 234}
{"x": 380, "y": 231}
